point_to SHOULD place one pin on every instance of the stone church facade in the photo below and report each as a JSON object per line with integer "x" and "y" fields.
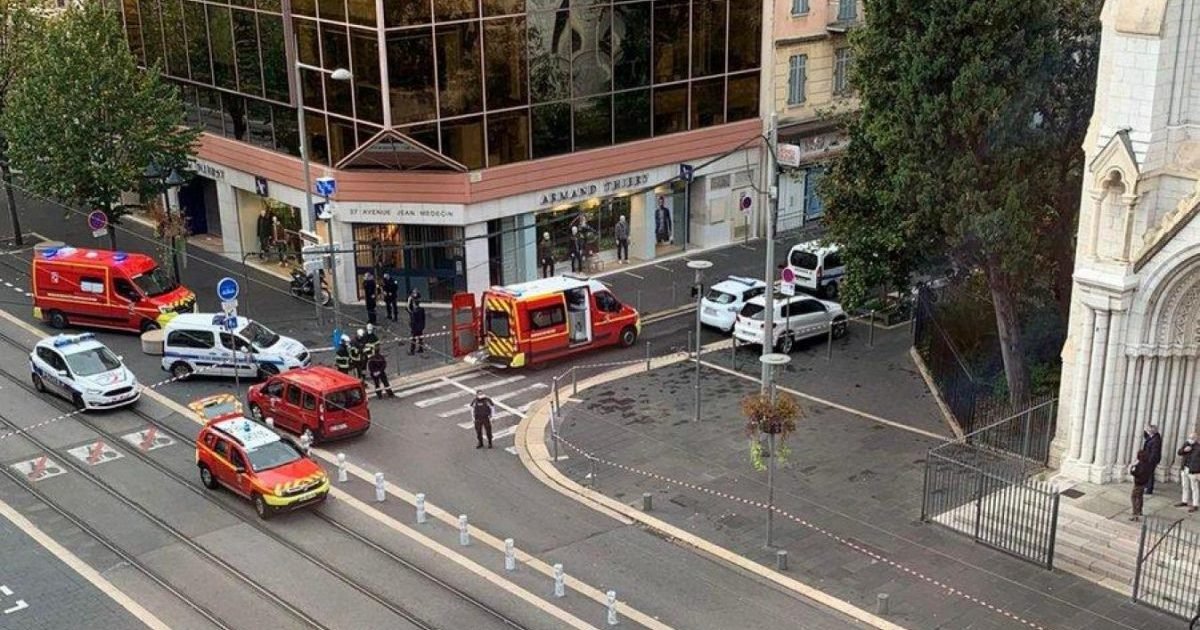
{"x": 1132, "y": 355}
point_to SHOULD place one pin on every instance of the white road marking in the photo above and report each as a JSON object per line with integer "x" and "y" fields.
{"x": 466, "y": 390}
{"x": 7, "y": 591}
{"x": 660, "y": 267}
{"x": 503, "y": 433}
{"x": 434, "y": 385}
{"x": 506, "y": 396}
{"x": 630, "y": 273}
{"x": 513, "y": 410}
{"x": 17, "y": 289}
{"x": 500, "y": 416}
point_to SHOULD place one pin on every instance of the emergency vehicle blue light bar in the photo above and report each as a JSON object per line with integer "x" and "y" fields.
{"x": 120, "y": 256}
{"x": 66, "y": 340}
{"x": 49, "y": 252}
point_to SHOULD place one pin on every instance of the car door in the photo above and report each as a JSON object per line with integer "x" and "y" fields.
{"x": 222, "y": 465}
{"x": 53, "y": 365}
{"x": 289, "y": 409}
{"x": 308, "y": 413}
{"x": 272, "y": 393}
{"x": 195, "y": 347}
{"x": 811, "y": 318}
{"x": 242, "y": 483}
{"x": 237, "y": 355}
{"x": 127, "y": 296}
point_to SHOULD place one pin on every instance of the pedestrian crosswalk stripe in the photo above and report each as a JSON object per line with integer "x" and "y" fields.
{"x": 438, "y": 384}
{"x": 505, "y": 432}
{"x": 506, "y": 396}
{"x": 470, "y": 424}
{"x": 465, "y": 391}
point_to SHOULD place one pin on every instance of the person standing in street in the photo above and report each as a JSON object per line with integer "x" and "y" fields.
{"x": 377, "y": 369}
{"x": 414, "y": 300}
{"x": 545, "y": 254}
{"x": 621, "y": 231}
{"x": 416, "y": 330}
{"x": 341, "y": 359}
{"x": 482, "y": 408}
{"x": 358, "y": 358}
{"x": 370, "y": 343}
{"x": 390, "y": 293}
{"x": 369, "y": 294}
{"x": 1189, "y": 473}
{"x": 576, "y": 251}
{"x": 1152, "y": 444}
{"x": 1141, "y": 472}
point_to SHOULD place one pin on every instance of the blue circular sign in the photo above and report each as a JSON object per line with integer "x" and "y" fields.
{"x": 227, "y": 289}
{"x": 97, "y": 220}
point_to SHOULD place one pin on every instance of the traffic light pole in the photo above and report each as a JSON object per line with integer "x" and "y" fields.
{"x": 768, "y": 345}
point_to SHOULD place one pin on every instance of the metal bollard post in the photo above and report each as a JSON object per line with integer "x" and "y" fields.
{"x": 420, "y": 507}
{"x": 689, "y": 344}
{"x": 446, "y": 346}
{"x": 574, "y": 382}
{"x": 647, "y": 501}
{"x": 781, "y": 560}
{"x": 510, "y": 555}
{"x": 733, "y": 353}
{"x": 882, "y": 606}
{"x": 380, "y": 487}
{"x": 271, "y": 422}
{"x": 341, "y": 464}
{"x": 672, "y": 293}
{"x": 829, "y": 344}
{"x": 592, "y": 464}
{"x": 554, "y": 430}
{"x": 560, "y": 589}
{"x": 647, "y": 356}
{"x": 871, "y": 335}
{"x": 464, "y": 534}
{"x": 306, "y": 440}
{"x": 612, "y": 607}
{"x": 638, "y": 303}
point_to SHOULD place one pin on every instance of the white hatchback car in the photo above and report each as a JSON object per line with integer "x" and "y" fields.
{"x": 725, "y": 300}
{"x": 796, "y": 317}
{"x": 84, "y": 371}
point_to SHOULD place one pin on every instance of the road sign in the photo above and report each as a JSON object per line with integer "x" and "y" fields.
{"x": 98, "y": 221}
{"x": 787, "y": 281}
{"x": 686, "y": 171}
{"x": 326, "y": 186}
{"x": 261, "y": 187}
{"x": 230, "y": 307}
{"x": 788, "y": 154}
{"x": 227, "y": 289}
{"x": 324, "y": 210}
{"x": 745, "y": 202}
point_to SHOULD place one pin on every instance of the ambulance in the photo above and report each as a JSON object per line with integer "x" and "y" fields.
{"x": 541, "y": 320}
{"x": 105, "y": 289}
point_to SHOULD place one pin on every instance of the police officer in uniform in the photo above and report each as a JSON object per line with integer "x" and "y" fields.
{"x": 416, "y": 329}
{"x": 545, "y": 253}
{"x": 377, "y": 369}
{"x": 391, "y": 290}
{"x": 370, "y": 291}
{"x": 358, "y": 359}
{"x": 342, "y": 358}
{"x": 482, "y": 409}
{"x": 370, "y": 343}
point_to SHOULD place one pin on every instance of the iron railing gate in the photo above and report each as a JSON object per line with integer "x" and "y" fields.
{"x": 1167, "y": 574}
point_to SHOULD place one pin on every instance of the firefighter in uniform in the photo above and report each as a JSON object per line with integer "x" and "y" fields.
{"x": 342, "y": 358}
{"x": 370, "y": 343}
{"x": 358, "y": 359}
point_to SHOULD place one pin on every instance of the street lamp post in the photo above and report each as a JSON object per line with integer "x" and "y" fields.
{"x": 171, "y": 181}
{"x": 771, "y": 361}
{"x": 698, "y": 266}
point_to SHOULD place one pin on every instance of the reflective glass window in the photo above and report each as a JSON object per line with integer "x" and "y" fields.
{"x": 550, "y": 5}
{"x": 670, "y": 40}
{"x": 133, "y": 29}
{"x": 591, "y": 49}
{"x": 211, "y": 118}
{"x": 197, "y": 35}
{"x": 269, "y": 5}
{"x": 332, "y": 10}
{"x": 426, "y": 134}
{"x": 593, "y": 122}
{"x": 307, "y": 42}
{"x": 447, "y": 10}
{"x": 368, "y": 89}
{"x": 274, "y": 57}
{"x": 459, "y": 75}
{"x": 314, "y": 88}
{"x": 742, "y": 95}
{"x": 549, "y": 55}
{"x": 258, "y": 122}
{"x": 234, "y": 115}
{"x": 143, "y": 34}
{"x": 407, "y": 13}
{"x": 551, "y": 129}
{"x": 287, "y": 134}
{"x": 632, "y": 120}
{"x": 504, "y": 62}
{"x": 304, "y": 7}
{"x": 708, "y": 37}
{"x": 631, "y": 45}
{"x": 342, "y": 138}
{"x": 335, "y": 53}
{"x": 191, "y": 111}
{"x": 410, "y": 75}
{"x": 462, "y": 140}
{"x": 508, "y": 137}
{"x": 220, "y": 39}
{"x": 503, "y": 7}
{"x": 318, "y": 140}
{"x": 245, "y": 41}
{"x": 708, "y": 102}
{"x": 670, "y": 109}
{"x": 744, "y": 42}
{"x": 175, "y": 39}
{"x": 361, "y": 12}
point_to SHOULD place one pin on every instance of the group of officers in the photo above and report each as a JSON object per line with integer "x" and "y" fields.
{"x": 361, "y": 355}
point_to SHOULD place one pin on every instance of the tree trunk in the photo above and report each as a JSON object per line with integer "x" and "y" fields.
{"x": 112, "y": 234}
{"x": 11, "y": 199}
{"x": 1012, "y": 350}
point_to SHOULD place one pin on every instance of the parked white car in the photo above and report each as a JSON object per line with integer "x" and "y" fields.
{"x": 796, "y": 317}
{"x": 818, "y": 268}
{"x": 84, "y": 371}
{"x": 725, "y": 299}
{"x": 217, "y": 345}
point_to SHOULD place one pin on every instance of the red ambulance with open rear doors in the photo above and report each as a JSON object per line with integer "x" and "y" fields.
{"x": 541, "y": 320}
{"x": 105, "y": 289}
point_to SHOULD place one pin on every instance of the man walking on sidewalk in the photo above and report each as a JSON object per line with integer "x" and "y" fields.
{"x": 391, "y": 290}
{"x": 482, "y": 408}
{"x": 1189, "y": 473}
{"x": 1152, "y": 444}
{"x": 377, "y": 368}
{"x": 416, "y": 330}
{"x": 1141, "y": 472}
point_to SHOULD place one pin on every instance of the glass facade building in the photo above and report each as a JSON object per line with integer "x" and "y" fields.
{"x": 483, "y": 82}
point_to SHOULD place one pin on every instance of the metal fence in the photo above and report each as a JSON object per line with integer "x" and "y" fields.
{"x": 953, "y": 379}
{"x": 1167, "y": 575}
{"x": 980, "y": 485}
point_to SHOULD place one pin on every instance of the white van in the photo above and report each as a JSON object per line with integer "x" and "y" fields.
{"x": 818, "y": 268}
{"x": 214, "y": 344}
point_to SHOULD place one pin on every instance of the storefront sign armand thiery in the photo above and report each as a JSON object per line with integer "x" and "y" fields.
{"x": 602, "y": 188}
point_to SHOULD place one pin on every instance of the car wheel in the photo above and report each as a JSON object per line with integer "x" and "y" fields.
{"x": 786, "y": 344}
{"x": 39, "y": 384}
{"x": 261, "y": 508}
{"x": 267, "y": 370}
{"x": 326, "y": 297}
{"x": 831, "y": 291}
{"x": 207, "y": 478}
{"x": 839, "y": 329}
{"x": 148, "y": 325}
{"x": 180, "y": 370}
{"x": 628, "y": 336}
{"x": 58, "y": 319}
{"x": 256, "y": 412}
{"x": 77, "y": 400}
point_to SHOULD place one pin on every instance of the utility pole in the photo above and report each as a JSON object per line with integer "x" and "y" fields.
{"x": 772, "y": 171}
{"x": 699, "y": 266}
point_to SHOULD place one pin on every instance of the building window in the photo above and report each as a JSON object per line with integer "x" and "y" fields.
{"x": 797, "y": 76}
{"x": 847, "y": 10}
{"x": 799, "y": 7}
{"x": 842, "y": 58}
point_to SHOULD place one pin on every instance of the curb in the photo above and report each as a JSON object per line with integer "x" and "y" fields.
{"x": 535, "y": 456}
{"x": 947, "y": 415}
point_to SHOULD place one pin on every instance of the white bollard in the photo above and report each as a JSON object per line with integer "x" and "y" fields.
{"x": 560, "y": 589}
{"x": 380, "y": 487}
{"x": 510, "y": 555}
{"x": 612, "y": 608}
{"x": 342, "y": 468}
{"x": 271, "y": 422}
{"x": 306, "y": 440}
{"x": 420, "y": 507}
{"x": 464, "y": 534}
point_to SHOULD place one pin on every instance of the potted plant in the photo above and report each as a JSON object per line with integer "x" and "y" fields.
{"x": 774, "y": 417}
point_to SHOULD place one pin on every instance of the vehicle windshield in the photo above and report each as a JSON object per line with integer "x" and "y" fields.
{"x": 345, "y": 398}
{"x": 803, "y": 260}
{"x": 92, "y": 361}
{"x": 719, "y": 297}
{"x": 259, "y": 335}
{"x": 753, "y": 311}
{"x": 272, "y": 455}
{"x": 155, "y": 282}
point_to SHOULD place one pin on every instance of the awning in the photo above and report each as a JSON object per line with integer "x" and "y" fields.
{"x": 390, "y": 150}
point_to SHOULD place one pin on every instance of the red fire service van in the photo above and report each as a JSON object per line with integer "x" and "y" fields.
{"x": 105, "y": 289}
{"x": 537, "y": 321}
{"x": 328, "y": 403}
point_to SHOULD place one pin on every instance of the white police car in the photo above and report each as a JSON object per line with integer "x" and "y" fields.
{"x": 725, "y": 299}
{"x": 218, "y": 345}
{"x": 84, "y": 371}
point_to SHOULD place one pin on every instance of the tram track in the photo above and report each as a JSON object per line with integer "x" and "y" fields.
{"x": 393, "y": 607}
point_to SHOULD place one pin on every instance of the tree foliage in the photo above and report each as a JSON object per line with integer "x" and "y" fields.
{"x": 83, "y": 120}
{"x": 20, "y": 25}
{"x": 967, "y": 146}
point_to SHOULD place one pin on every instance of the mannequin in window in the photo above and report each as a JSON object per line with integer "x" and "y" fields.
{"x": 662, "y": 221}
{"x": 264, "y": 230}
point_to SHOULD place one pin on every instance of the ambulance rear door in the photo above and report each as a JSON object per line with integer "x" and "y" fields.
{"x": 464, "y": 324}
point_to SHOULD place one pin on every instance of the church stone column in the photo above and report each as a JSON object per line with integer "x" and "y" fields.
{"x": 1107, "y": 432}
{"x": 1095, "y": 388}
{"x": 1082, "y": 364}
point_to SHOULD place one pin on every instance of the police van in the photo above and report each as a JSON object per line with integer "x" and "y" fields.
{"x": 82, "y": 370}
{"x": 220, "y": 345}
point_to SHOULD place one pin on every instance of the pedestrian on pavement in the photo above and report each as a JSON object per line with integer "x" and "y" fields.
{"x": 1189, "y": 473}
{"x": 482, "y": 408}
{"x": 414, "y": 300}
{"x": 545, "y": 252}
{"x": 341, "y": 359}
{"x": 621, "y": 231}
{"x": 1152, "y": 444}
{"x": 358, "y": 356}
{"x": 264, "y": 229}
{"x": 390, "y": 292}
{"x": 576, "y": 250}
{"x": 369, "y": 295}
{"x": 279, "y": 237}
{"x": 370, "y": 342}
{"x": 377, "y": 368}
{"x": 416, "y": 330}
{"x": 1141, "y": 472}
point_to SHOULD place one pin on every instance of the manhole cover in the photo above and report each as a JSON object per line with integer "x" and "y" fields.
{"x": 1072, "y": 493}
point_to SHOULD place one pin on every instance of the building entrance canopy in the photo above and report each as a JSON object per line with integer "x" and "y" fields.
{"x": 390, "y": 150}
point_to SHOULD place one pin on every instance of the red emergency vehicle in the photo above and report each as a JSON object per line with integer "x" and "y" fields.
{"x": 105, "y": 289}
{"x": 328, "y": 403}
{"x": 545, "y": 319}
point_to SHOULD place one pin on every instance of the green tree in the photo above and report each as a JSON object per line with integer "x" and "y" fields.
{"x": 83, "y": 120}
{"x": 967, "y": 145}
{"x": 19, "y": 27}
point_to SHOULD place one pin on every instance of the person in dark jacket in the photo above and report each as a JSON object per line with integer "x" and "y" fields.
{"x": 1152, "y": 444}
{"x": 1189, "y": 473}
{"x": 341, "y": 359}
{"x": 482, "y": 409}
{"x": 391, "y": 290}
{"x": 1141, "y": 472}
{"x": 377, "y": 369}
{"x": 414, "y": 300}
{"x": 662, "y": 221}
{"x": 576, "y": 251}
{"x": 370, "y": 343}
{"x": 621, "y": 232}
{"x": 370, "y": 291}
{"x": 358, "y": 354}
{"x": 264, "y": 229}
{"x": 545, "y": 254}
{"x": 416, "y": 329}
